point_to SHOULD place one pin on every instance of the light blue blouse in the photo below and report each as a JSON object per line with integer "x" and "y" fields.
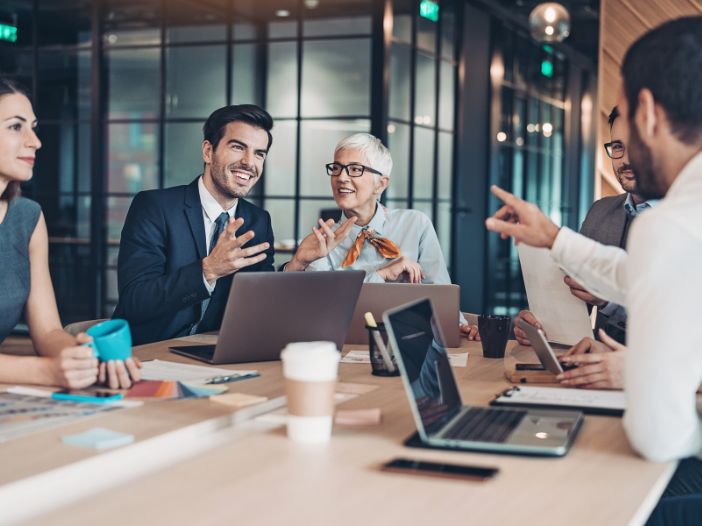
{"x": 410, "y": 230}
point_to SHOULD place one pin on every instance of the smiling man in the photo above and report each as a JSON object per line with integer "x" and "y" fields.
{"x": 181, "y": 246}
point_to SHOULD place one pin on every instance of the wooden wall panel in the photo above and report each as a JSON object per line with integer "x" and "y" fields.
{"x": 622, "y": 22}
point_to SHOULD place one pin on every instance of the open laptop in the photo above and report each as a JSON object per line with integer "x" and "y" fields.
{"x": 379, "y": 297}
{"x": 442, "y": 420}
{"x": 267, "y": 310}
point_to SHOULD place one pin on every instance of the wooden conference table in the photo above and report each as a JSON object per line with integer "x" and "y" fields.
{"x": 193, "y": 463}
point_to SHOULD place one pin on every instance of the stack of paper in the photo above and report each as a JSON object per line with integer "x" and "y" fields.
{"x": 564, "y": 317}
{"x": 363, "y": 356}
{"x": 172, "y": 389}
{"x": 193, "y": 374}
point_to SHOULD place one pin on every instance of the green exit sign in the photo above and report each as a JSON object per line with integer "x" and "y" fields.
{"x": 429, "y": 9}
{"x": 8, "y": 33}
{"x": 547, "y": 68}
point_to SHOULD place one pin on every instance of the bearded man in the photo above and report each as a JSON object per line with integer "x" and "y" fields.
{"x": 181, "y": 246}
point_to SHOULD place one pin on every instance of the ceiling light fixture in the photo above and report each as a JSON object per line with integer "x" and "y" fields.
{"x": 549, "y": 22}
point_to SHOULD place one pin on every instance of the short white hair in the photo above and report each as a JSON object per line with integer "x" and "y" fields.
{"x": 378, "y": 155}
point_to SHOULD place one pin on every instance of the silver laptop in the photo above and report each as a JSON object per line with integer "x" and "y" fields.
{"x": 267, "y": 310}
{"x": 442, "y": 420}
{"x": 379, "y": 297}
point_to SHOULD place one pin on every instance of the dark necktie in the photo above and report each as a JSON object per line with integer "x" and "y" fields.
{"x": 220, "y": 224}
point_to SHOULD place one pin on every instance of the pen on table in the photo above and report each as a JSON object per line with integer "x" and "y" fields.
{"x": 370, "y": 321}
{"x": 223, "y": 379}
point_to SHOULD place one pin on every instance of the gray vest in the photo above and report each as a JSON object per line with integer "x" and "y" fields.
{"x": 15, "y": 232}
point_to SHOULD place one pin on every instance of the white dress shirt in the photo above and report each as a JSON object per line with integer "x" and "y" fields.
{"x": 660, "y": 284}
{"x": 211, "y": 210}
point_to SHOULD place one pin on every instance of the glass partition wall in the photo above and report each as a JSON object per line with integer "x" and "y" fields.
{"x": 122, "y": 88}
{"x": 533, "y": 103}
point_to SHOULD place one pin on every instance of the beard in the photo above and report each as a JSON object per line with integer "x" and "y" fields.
{"x": 628, "y": 185}
{"x": 223, "y": 184}
{"x": 649, "y": 182}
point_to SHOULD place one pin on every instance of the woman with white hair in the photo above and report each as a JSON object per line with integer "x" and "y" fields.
{"x": 391, "y": 245}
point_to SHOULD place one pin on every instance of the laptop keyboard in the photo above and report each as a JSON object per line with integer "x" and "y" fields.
{"x": 485, "y": 425}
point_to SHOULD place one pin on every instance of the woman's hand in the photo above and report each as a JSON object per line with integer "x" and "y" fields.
{"x": 319, "y": 243}
{"x": 73, "y": 367}
{"x": 470, "y": 332}
{"x": 118, "y": 374}
{"x": 402, "y": 266}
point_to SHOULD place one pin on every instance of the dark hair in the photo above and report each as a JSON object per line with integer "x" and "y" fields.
{"x": 9, "y": 87}
{"x": 613, "y": 116}
{"x": 668, "y": 61}
{"x": 213, "y": 130}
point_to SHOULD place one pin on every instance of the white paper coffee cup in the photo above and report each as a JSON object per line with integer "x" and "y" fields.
{"x": 310, "y": 370}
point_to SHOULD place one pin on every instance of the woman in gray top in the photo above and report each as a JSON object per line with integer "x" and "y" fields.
{"x": 25, "y": 283}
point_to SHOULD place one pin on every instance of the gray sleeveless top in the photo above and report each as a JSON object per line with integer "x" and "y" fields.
{"x": 15, "y": 232}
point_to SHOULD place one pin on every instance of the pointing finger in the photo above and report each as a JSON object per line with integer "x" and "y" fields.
{"x": 505, "y": 196}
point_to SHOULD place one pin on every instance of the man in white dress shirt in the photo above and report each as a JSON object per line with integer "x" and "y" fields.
{"x": 659, "y": 282}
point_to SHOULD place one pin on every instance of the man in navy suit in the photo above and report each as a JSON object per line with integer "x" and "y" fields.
{"x": 181, "y": 246}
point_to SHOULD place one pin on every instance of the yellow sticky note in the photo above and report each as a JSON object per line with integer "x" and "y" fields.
{"x": 238, "y": 399}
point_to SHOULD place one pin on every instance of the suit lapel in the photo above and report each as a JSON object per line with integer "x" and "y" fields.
{"x": 193, "y": 212}
{"x": 243, "y": 212}
{"x": 617, "y": 223}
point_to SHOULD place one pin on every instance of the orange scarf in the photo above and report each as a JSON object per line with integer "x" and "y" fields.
{"x": 383, "y": 245}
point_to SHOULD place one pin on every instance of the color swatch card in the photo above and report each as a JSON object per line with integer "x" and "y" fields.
{"x": 26, "y": 410}
{"x": 169, "y": 389}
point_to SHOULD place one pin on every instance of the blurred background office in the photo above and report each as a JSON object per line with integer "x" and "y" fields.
{"x": 461, "y": 92}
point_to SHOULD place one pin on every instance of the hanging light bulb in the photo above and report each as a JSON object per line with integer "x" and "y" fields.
{"x": 549, "y": 22}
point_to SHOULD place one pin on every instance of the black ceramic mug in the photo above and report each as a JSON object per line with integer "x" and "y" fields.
{"x": 494, "y": 333}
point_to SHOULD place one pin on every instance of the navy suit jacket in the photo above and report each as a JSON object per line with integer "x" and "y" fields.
{"x": 159, "y": 273}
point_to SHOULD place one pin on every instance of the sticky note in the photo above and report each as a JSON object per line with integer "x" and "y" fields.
{"x": 238, "y": 399}
{"x": 99, "y": 438}
{"x": 358, "y": 417}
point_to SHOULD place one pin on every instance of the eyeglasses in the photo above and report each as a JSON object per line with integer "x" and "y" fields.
{"x": 352, "y": 169}
{"x": 615, "y": 149}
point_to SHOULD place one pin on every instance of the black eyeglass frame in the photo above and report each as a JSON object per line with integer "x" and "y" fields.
{"x": 330, "y": 167}
{"x": 609, "y": 148}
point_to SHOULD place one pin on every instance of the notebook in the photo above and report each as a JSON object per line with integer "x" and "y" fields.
{"x": 592, "y": 401}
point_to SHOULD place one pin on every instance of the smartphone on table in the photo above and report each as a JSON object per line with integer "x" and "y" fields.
{"x": 97, "y": 396}
{"x": 441, "y": 470}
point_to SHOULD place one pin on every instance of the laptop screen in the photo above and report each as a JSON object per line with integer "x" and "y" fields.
{"x": 425, "y": 365}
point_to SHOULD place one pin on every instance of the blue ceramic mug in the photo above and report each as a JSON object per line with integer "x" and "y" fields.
{"x": 112, "y": 340}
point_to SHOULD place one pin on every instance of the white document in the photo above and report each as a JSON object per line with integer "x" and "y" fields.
{"x": 566, "y": 397}
{"x": 198, "y": 374}
{"x": 363, "y": 356}
{"x": 564, "y": 317}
